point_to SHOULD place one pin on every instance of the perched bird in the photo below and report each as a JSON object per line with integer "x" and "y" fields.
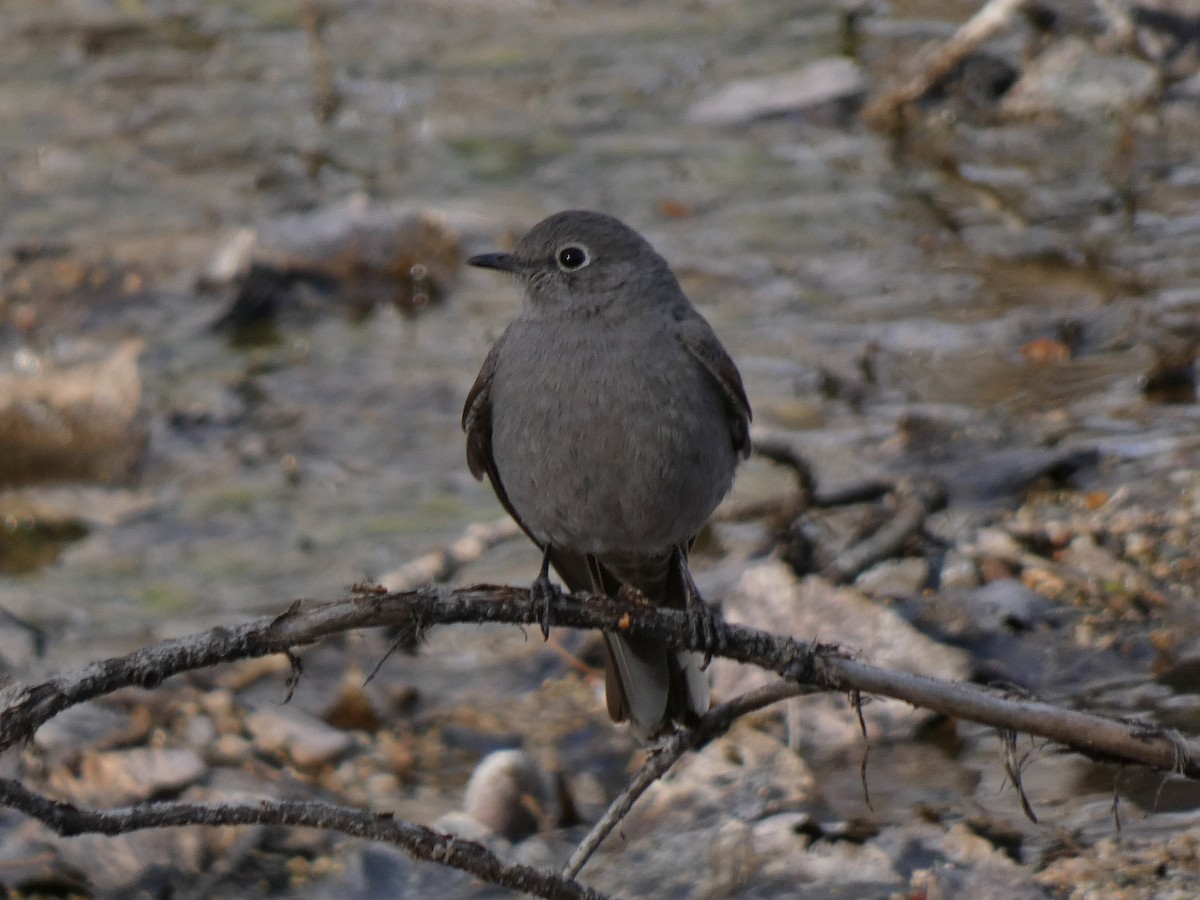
{"x": 610, "y": 420}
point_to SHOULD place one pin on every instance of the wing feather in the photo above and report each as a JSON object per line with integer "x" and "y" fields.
{"x": 699, "y": 339}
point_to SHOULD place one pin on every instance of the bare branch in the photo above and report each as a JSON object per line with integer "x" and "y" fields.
{"x": 420, "y": 842}
{"x": 24, "y": 708}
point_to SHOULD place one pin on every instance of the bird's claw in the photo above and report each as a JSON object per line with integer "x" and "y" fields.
{"x": 541, "y": 594}
{"x": 707, "y": 628}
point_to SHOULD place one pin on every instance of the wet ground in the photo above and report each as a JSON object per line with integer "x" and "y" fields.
{"x": 990, "y": 293}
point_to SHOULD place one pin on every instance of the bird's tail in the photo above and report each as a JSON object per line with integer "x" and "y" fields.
{"x": 647, "y": 683}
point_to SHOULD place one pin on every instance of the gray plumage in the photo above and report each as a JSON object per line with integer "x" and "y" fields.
{"x": 610, "y": 420}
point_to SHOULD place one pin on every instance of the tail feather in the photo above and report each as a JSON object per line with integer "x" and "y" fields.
{"x": 695, "y": 682}
{"x": 646, "y": 682}
{"x": 643, "y": 681}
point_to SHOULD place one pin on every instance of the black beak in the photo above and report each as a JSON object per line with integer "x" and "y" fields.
{"x": 501, "y": 261}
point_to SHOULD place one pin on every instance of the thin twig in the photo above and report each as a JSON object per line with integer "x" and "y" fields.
{"x": 712, "y": 724}
{"x": 1013, "y": 766}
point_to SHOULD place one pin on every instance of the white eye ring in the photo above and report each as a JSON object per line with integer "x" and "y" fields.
{"x": 572, "y": 257}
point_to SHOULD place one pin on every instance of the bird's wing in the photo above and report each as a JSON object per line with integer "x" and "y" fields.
{"x": 477, "y": 415}
{"x": 477, "y": 423}
{"x": 698, "y": 337}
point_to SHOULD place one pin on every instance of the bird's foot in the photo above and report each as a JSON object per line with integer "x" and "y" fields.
{"x": 706, "y": 625}
{"x": 707, "y": 628}
{"x": 542, "y": 593}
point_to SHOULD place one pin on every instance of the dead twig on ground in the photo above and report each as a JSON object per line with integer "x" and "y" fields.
{"x": 915, "y": 498}
{"x": 993, "y": 16}
{"x": 442, "y": 564}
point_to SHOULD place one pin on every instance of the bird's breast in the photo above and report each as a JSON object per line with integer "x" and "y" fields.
{"x": 608, "y": 439}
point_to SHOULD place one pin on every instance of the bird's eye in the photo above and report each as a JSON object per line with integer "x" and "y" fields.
{"x": 572, "y": 257}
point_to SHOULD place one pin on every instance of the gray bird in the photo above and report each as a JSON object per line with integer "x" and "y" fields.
{"x": 610, "y": 420}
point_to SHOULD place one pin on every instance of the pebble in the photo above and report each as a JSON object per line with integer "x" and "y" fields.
{"x": 79, "y": 728}
{"x": 352, "y": 708}
{"x": 768, "y": 595}
{"x": 894, "y": 577}
{"x": 511, "y": 795}
{"x": 129, "y": 776}
{"x": 1187, "y": 90}
{"x": 1006, "y": 604}
{"x": 958, "y": 571}
{"x": 1071, "y": 79}
{"x": 72, "y": 418}
{"x": 305, "y": 739}
{"x": 822, "y": 81}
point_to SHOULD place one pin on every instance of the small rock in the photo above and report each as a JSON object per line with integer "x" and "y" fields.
{"x": 953, "y": 883}
{"x": 1168, "y": 33}
{"x": 384, "y": 789}
{"x": 1092, "y": 562}
{"x": 352, "y": 708}
{"x": 997, "y": 543}
{"x": 1008, "y": 473}
{"x": 200, "y": 731}
{"x": 75, "y": 420}
{"x": 230, "y": 749}
{"x": 1006, "y": 604}
{"x": 1188, "y": 89}
{"x": 734, "y": 776}
{"x": 813, "y": 609}
{"x": 1046, "y": 351}
{"x": 977, "y": 869}
{"x": 232, "y": 258}
{"x": 240, "y": 675}
{"x": 128, "y": 776}
{"x": 374, "y": 871}
{"x": 1183, "y": 671}
{"x": 79, "y": 728}
{"x": 349, "y": 253}
{"x": 513, "y": 796}
{"x": 306, "y": 740}
{"x": 822, "y": 81}
{"x": 983, "y": 78}
{"x": 1071, "y": 79}
{"x": 992, "y": 568}
{"x": 21, "y": 643}
{"x": 781, "y": 834}
{"x": 894, "y": 578}
{"x": 768, "y": 595}
{"x": 540, "y": 853}
{"x": 731, "y": 858}
{"x": 958, "y": 571}
{"x": 62, "y": 506}
{"x": 464, "y": 826}
{"x": 156, "y": 862}
{"x": 1172, "y": 375}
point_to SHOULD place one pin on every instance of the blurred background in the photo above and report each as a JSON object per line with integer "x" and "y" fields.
{"x": 236, "y": 336}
